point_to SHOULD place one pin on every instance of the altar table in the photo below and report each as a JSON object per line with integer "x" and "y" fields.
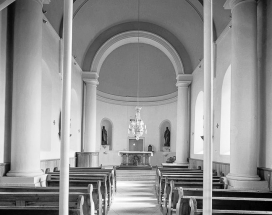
{"x": 135, "y": 158}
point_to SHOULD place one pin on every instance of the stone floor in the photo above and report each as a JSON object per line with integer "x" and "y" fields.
{"x": 135, "y": 197}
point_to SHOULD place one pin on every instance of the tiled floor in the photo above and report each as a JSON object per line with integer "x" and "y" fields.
{"x": 135, "y": 197}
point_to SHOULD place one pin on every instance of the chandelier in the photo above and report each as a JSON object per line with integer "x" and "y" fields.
{"x": 137, "y": 126}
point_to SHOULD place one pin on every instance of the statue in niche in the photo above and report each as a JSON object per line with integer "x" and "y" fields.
{"x": 104, "y": 136}
{"x": 167, "y": 137}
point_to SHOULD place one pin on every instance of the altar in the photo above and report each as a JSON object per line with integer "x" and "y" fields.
{"x": 135, "y": 158}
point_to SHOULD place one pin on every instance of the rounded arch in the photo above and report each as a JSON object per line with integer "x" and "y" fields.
{"x": 163, "y": 125}
{"x": 225, "y": 114}
{"x": 199, "y": 124}
{"x": 135, "y": 37}
{"x": 111, "y": 32}
{"x": 109, "y": 128}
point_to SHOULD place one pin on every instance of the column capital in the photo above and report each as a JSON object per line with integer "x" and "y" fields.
{"x": 231, "y": 4}
{"x": 184, "y": 80}
{"x": 183, "y": 83}
{"x": 90, "y": 77}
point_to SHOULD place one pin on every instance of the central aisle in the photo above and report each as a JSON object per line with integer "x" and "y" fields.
{"x": 135, "y": 193}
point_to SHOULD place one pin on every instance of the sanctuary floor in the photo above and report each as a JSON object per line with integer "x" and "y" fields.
{"x": 135, "y": 197}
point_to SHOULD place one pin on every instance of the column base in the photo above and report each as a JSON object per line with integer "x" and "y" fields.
{"x": 34, "y": 181}
{"x": 87, "y": 159}
{"x": 236, "y": 182}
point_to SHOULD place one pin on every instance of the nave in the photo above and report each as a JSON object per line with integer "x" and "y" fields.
{"x": 135, "y": 193}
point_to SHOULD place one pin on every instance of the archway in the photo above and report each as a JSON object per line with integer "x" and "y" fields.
{"x": 225, "y": 114}
{"x": 199, "y": 124}
{"x": 134, "y": 37}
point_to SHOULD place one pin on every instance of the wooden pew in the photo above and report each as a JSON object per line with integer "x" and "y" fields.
{"x": 103, "y": 177}
{"x": 30, "y": 203}
{"x": 112, "y": 173}
{"x": 232, "y": 204}
{"x": 92, "y": 197}
{"x": 84, "y": 183}
{"x": 174, "y": 165}
{"x": 160, "y": 171}
{"x": 226, "y": 193}
{"x": 172, "y": 197}
{"x": 185, "y": 177}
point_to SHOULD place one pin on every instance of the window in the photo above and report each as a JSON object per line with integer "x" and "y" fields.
{"x": 199, "y": 124}
{"x": 225, "y": 114}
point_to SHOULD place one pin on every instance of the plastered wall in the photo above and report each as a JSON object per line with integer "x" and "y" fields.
{"x": 222, "y": 62}
{"x": 152, "y": 116}
{"x": 51, "y": 98}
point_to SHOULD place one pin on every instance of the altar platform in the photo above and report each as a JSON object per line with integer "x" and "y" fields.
{"x": 135, "y": 160}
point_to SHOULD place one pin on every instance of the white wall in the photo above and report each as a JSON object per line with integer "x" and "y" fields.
{"x": 222, "y": 62}
{"x": 152, "y": 117}
{"x": 51, "y": 99}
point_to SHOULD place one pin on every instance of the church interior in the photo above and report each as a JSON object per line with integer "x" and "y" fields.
{"x": 153, "y": 85}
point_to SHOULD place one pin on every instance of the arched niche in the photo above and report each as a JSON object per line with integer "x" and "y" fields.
{"x": 225, "y": 114}
{"x": 109, "y": 128}
{"x": 163, "y": 125}
{"x": 46, "y": 108}
{"x": 199, "y": 124}
{"x": 75, "y": 121}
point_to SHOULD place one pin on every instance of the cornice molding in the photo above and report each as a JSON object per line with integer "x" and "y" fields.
{"x": 184, "y": 78}
{"x": 132, "y": 101}
{"x": 135, "y": 37}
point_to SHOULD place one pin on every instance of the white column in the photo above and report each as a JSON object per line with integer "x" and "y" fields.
{"x": 66, "y": 108}
{"x": 208, "y": 108}
{"x": 182, "y": 138}
{"x": 243, "y": 172}
{"x": 90, "y": 112}
{"x": 26, "y": 95}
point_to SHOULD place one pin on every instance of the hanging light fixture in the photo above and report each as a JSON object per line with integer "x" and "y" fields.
{"x": 137, "y": 126}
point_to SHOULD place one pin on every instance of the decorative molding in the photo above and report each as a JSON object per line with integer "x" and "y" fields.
{"x": 194, "y": 7}
{"x": 132, "y": 101}
{"x": 78, "y": 9}
{"x": 134, "y": 37}
{"x": 184, "y": 80}
{"x": 90, "y": 77}
{"x": 231, "y": 4}
{"x": 183, "y": 83}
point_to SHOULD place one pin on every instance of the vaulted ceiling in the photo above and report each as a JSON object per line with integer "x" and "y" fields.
{"x": 178, "y": 21}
